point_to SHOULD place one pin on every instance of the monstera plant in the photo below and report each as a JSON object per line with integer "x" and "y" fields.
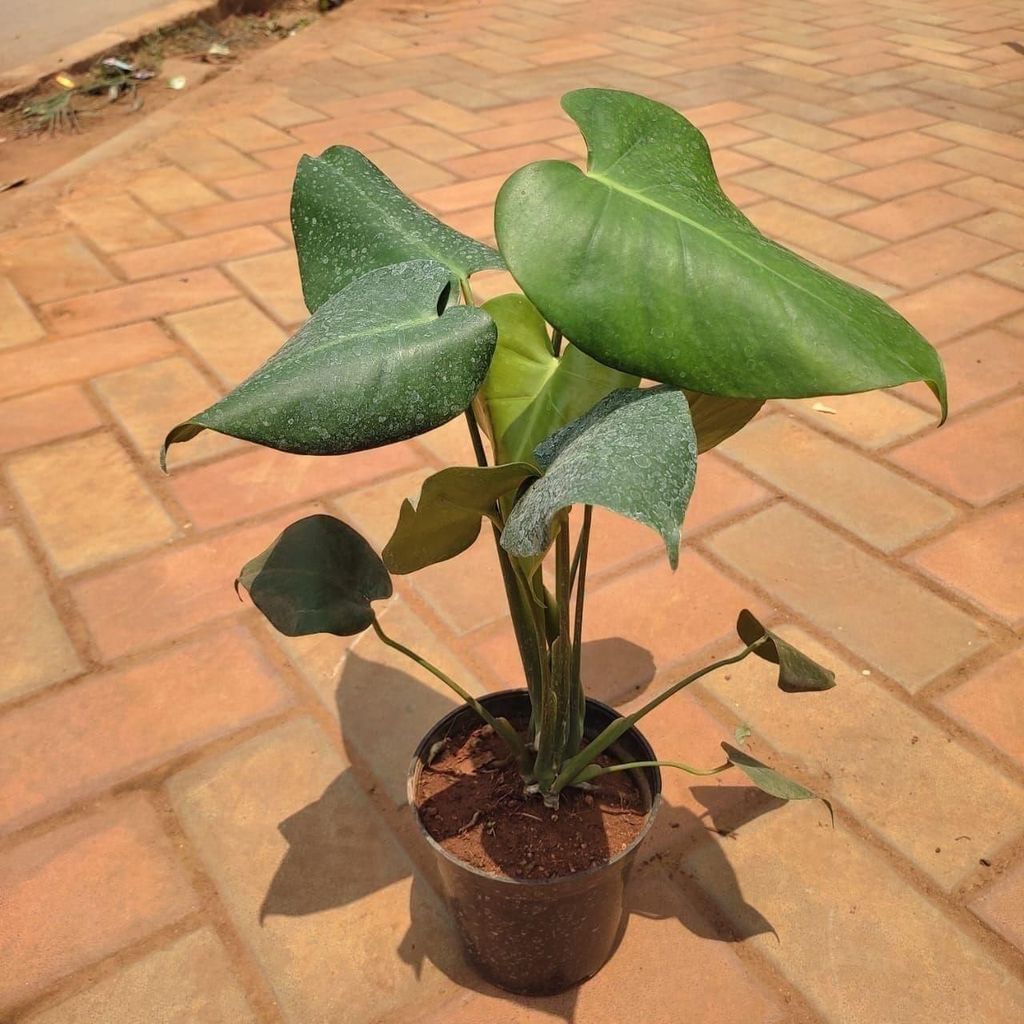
{"x": 653, "y": 322}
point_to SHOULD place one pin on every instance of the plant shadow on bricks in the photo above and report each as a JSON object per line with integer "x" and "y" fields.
{"x": 316, "y": 873}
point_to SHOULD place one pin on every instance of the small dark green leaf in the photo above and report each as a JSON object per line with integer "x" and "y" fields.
{"x": 716, "y": 418}
{"x": 381, "y": 361}
{"x": 349, "y": 218}
{"x": 319, "y": 576}
{"x": 634, "y": 453}
{"x": 528, "y": 392}
{"x": 446, "y": 519}
{"x": 765, "y": 778}
{"x": 797, "y": 672}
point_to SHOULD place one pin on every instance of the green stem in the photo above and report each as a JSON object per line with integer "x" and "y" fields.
{"x": 578, "y": 700}
{"x": 501, "y": 726}
{"x": 556, "y": 342}
{"x": 620, "y": 726}
{"x": 592, "y": 771}
{"x": 474, "y": 435}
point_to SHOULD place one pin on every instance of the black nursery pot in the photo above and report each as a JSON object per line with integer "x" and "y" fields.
{"x": 539, "y": 937}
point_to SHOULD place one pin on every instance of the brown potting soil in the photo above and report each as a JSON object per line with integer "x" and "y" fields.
{"x": 471, "y": 800}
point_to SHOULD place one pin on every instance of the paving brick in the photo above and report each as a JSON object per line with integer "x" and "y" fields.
{"x": 708, "y": 982}
{"x": 426, "y": 141}
{"x": 272, "y": 820}
{"x": 822, "y": 235}
{"x": 34, "y": 648}
{"x": 281, "y": 112}
{"x": 984, "y": 560}
{"x": 876, "y": 611}
{"x": 988, "y": 704}
{"x": 502, "y": 161}
{"x": 884, "y": 761}
{"x": 197, "y": 252}
{"x": 233, "y": 338}
{"x": 910, "y": 215}
{"x": 950, "y": 458}
{"x": 118, "y": 724}
{"x": 463, "y": 195}
{"x": 990, "y": 193}
{"x": 134, "y": 302}
{"x": 966, "y": 159}
{"x": 800, "y": 159}
{"x": 170, "y": 190}
{"x": 816, "y": 196}
{"x": 410, "y": 173}
{"x": 206, "y": 220}
{"x": 721, "y": 492}
{"x": 999, "y": 226}
{"x": 780, "y": 126}
{"x": 52, "y": 266}
{"x": 871, "y": 420}
{"x": 57, "y": 482}
{"x": 1002, "y": 906}
{"x": 341, "y": 131}
{"x": 1009, "y": 269}
{"x": 958, "y": 305}
{"x": 273, "y": 281}
{"x": 901, "y": 178}
{"x": 190, "y": 980}
{"x": 249, "y": 134}
{"x": 519, "y": 133}
{"x": 116, "y": 223}
{"x": 717, "y": 113}
{"x": 822, "y": 889}
{"x": 45, "y": 416}
{"x": 169, "y": 593}
{"x": 879, "y": 506}
{"x": 261, "y": 479}
{"x": 921, "y": 261}
{"x": 18, "y": 324}
{"x": 146, "y": 401}
{"x": 84, "y": 890}
{"x": 263, "y": 183}
{"x": 61, "y": 362}
{"x": 982, "y": 365}
{"x": 891, "y": 149}
{"x": 206, "y": 157}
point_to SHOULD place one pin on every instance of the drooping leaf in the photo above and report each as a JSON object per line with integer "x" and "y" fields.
{"x": 765, "y": 778}
{"x": 446, "y": 519}
{"x": 797, "y": 672}
{"x": 634, "y": 453}
{"x": 349, "y": 218}
{"x": 645, "y": 263}
{"x": 528, "y": 392}
{"x": 380, "y": 361}
{"x": 319, "y": 576}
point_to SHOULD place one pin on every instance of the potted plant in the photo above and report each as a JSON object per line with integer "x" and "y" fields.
{"x": 672, "y": 320}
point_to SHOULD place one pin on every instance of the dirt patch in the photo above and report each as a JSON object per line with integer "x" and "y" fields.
{"x": 52, "y": 125}
{"x": 471, "y": 801}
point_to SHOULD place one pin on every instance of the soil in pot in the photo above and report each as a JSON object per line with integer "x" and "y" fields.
{"x": 471, "y": 801}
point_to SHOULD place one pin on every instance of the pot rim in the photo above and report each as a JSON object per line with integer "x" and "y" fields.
{"x": 493, "y": 876}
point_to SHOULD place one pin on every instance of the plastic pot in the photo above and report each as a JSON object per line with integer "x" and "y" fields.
{"x": 538, "y": 937}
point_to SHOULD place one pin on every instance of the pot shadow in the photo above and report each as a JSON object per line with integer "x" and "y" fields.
{"x": 311, "y": 876}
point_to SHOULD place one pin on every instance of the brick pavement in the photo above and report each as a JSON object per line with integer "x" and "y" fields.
{"x": 202, "y": 821}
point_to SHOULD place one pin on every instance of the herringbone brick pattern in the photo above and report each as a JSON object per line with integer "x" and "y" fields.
{"x": 202, "y": 821}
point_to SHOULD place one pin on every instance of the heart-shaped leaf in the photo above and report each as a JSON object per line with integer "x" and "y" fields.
{"x": 381, "y": 361}
{"x": 528, "y": 392}
{"x": 797, "y": 672}
{"x": 349, "y": 218}
{"x": 446, "y": 518}
{"x": 645, "y": 263}
{"x": 319, "y": 576}
{"x": 765, "y": 778}
{"x": 634, "y": 453}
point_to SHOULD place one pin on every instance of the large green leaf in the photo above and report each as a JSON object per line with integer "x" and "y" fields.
{"x": 446, "y": 519}
{"x": 528, "y": 392}
{"x": 634, "y": 453}
{"x": 645, "y": 263}
{"x": 348, "y": 218}
{"x": 319, "y": 576}
{"x": 379, "y": 362}
{"x": 797, "y": 672}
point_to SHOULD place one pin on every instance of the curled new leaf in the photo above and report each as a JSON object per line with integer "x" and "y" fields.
{"x": 349, "y": 218}
{"x": 446, "y": 519}
{"x": 381, "y": 361}
{"x": 319, "y": 576}
{"x": 797, "y": 672}
{"x": 634, "y": 453}
{"x": 647, "y": 265}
